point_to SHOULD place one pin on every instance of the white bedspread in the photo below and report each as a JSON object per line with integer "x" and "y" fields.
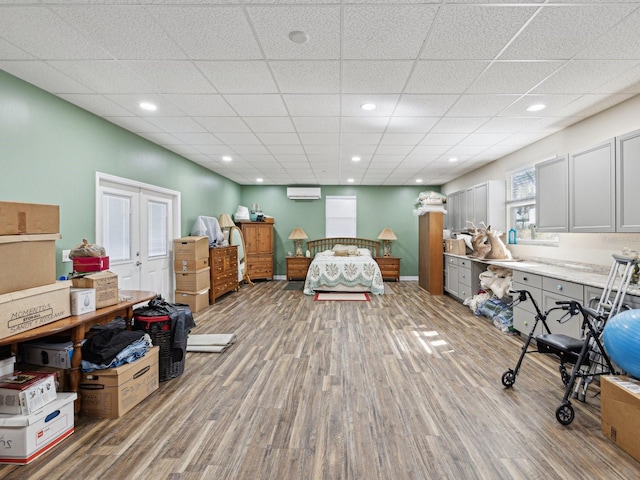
{"x": 356, "y": 273}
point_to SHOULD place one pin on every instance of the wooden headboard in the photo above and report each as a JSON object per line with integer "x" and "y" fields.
{"x": 323, "y": 244}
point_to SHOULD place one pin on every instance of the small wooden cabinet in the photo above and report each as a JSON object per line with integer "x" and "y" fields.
{"x": 224, "y": 271}
{"x": 258, "y": 242}
{"x": 389, "y": 267}
{"x": 297, "y": 267}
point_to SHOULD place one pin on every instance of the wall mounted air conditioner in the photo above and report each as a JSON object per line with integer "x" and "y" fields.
{"x": 303, "y": 193}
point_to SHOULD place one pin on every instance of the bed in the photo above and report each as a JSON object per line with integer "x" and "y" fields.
{"x": 344, "y": 265}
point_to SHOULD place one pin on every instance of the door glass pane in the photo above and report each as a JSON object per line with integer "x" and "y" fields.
{"x": 116, "y": 225}
{"x": 157, "y": 229}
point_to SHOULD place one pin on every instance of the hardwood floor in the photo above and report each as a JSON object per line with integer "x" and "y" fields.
{"x": 406, "y": 386}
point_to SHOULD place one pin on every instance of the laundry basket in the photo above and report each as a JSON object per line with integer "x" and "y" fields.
{"x": 168, "y": 325}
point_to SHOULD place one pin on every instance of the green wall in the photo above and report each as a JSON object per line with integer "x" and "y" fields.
{"x": 50, "y": 151}
{"x": 377, "y": 207}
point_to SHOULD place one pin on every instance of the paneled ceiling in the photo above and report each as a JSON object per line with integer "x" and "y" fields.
{"x": 450, "y": 79}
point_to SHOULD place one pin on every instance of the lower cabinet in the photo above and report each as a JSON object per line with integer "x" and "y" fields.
{"x": 546, "y": 291}
{"x": 451, "y": 275}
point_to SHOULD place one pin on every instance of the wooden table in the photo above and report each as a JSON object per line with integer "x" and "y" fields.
{"x": 79, "y": 325}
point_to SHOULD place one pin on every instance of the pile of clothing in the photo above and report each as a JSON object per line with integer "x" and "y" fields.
{"x": 112, "y": 345}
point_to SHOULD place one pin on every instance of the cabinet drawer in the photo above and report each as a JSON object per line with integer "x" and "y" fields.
{"x": 449, "y": 260}
{"x": 528, "y": 279}
{"x": 571, "y": 326}
{"x": 568, "y": 289}
{"x": 464, "y": 277}
{"x": 536, "y": 294}
{"x": 464, "y": 262}
{"x": 464, "y": 291}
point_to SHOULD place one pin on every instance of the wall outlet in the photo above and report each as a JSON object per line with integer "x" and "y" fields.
{"x": 65, "y": 256}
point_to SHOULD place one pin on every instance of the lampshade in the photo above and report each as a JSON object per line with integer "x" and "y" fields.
{"x": 225, "y": 220}
{"x": 297, "y": 234}
{"x": 387, "y": 234}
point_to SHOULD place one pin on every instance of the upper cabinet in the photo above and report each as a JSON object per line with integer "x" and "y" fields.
{"x": 552, "y": 195}
{"x": 481, "y": 203}
{"x": 592, "y": 189}
{"x": 628, "y": 176}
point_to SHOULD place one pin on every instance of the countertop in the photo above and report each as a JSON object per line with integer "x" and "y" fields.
{"x": 582, "y": 273}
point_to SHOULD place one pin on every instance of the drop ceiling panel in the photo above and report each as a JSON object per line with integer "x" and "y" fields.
{"x": 424, "y": 105}
{"x": 383, "y": 76}
{"x": 176, "y": 124}
{"x": 44, "y": 76}
{"x": 307, "y": 77}
{"x": 317, "y": 124}
{"x": 313, "y": 105}
{"x": 444, "y": 76}
{"x": 239, "y": 77}
{"x": 480, "y": 105}
{"x": 96, "y": 104}
{"x": 584, "y": 75}
{"x": 225, "y": 124}
{"x": 257, "y": 105}
{"x": 513, "y": 77}
{"x": 200, "y": 105}
{"x": 270, "y": 124}
{"x": 171, "y": 76}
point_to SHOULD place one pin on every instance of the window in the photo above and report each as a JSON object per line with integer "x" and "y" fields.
{"x": 340, "y": 216}
{"x": 522, "y": 208}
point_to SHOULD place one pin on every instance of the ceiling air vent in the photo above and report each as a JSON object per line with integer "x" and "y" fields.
{"x": 303, "y": 193}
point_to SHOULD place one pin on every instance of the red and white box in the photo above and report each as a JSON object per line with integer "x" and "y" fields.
{"x": 90, "y": 264}
{"x": 23, "y": 438}
{"x": 25, "y": 392}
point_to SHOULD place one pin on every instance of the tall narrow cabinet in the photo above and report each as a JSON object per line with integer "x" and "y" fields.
{"x": 430, "y": 253}
{"x": 258, "y": 242}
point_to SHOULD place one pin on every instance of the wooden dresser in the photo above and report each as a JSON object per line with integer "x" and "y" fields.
{"x": 224, "y": 271}
{"x": 258, "y": 243}
{"x": 297, "y": 267}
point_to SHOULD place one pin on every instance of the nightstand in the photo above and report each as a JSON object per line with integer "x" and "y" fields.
{"x": 297, "y": 267}
{"x": 389, "y": 267}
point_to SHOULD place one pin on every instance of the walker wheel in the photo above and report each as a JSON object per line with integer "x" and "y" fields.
{"x": 508, "y": 378}
{"x": 565, "y": 414}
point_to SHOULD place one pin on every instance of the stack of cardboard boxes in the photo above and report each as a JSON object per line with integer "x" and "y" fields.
{"x": 193, "y": 279}
{"x": 30, "y": 297}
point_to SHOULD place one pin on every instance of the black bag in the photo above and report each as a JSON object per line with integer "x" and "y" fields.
{"x": 168, "y": 325}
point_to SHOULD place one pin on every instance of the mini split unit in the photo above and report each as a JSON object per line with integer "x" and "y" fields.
{"x": 303, "y": 193}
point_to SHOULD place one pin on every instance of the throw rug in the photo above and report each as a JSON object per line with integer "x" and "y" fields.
{"x": 342, "y": 297}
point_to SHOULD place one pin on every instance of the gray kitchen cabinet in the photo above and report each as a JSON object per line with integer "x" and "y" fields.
{"x": 470, "y": 205}
{"x": 592, "y": 189}
{"x": 451, "y": 275}
{"x": 627, "y": 178}
{"x": 485, "y": 202}
{"x": 464, "y": 278}
{"x": 552, "y": 195}
{"x": 461, "y": 214}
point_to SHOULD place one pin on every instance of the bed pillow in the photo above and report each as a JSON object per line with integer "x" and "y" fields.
{"x": 364, "y": 252}
{"x": 325, "y": 253}
{"x": 350, "y": 249}
{"x": 342, "y": 253}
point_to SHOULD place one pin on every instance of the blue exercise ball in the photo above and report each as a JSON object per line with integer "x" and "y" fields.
{"x": 621, "y": 338}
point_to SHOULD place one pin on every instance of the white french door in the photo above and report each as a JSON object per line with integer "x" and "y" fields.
{"x": 136, "y": 223}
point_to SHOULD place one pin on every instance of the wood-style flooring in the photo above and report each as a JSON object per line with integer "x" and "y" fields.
{"x": 406, "y": 386}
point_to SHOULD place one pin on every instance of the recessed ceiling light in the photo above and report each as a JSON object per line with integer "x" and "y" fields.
{"x": 453, "y": 159}
{"x": 355, "y": 159}
{"x": 259, "y": 180}
{"x": 298, "y": 37}
{"x": 536, "y": 108}
{"x": 350, "y": 180}
{"x": 368, "y": 106}
{"x": 148, "y": 106}
{"x": 226, "y": 158}
{"x": 418, "y": 180}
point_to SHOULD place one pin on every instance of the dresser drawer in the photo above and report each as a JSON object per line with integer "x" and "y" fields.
{"x": 449, "y": 260}
{"x": 562, "y": 287}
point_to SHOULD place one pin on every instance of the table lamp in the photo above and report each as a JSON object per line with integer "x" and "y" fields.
{"x": 298, "y": 235}
{"x": 225, "y": 222}
{"x": 386, "y": 235}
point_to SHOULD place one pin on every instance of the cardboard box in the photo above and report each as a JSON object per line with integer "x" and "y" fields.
{"x": 190, "y": 265}
{"x": 620, "y": 412}
{"x": 28, "y": 218}
{"x": 105, "y": 284}
{"x": 27, "y": 261}
{"x": 196, "y": 300}
{"x": 193, "y": 281}
{"x": 62, "y": 382}
{"x": 83, "y": 300}
{"x": 455, "y": 246}
{"x": 48, "y": 354}
{"x": 90, "y": 264}
{"x": 113, "y": 392}
{"x": 26, "y": 437}
{"x": 6, "y": 366}
{"x": 190, "y": 248}
{"x": 25, "y": 392}
{"x": 27, "y": 309}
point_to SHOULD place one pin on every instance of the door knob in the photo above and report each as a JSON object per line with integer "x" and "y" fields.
{"x": 138, "y": 263}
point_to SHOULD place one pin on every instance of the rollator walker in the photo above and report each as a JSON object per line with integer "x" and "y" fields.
{"x": 586, "y": 354}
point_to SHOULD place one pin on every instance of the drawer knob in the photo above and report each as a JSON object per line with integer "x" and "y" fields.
{"x": 559, "y": 287}
{"x": 525, "y": 278}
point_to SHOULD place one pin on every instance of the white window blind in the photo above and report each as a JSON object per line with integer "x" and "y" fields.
{"x": 116, "y": 225}
{"x": 340, "y": 216}
{"x": 157, "y": 229}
